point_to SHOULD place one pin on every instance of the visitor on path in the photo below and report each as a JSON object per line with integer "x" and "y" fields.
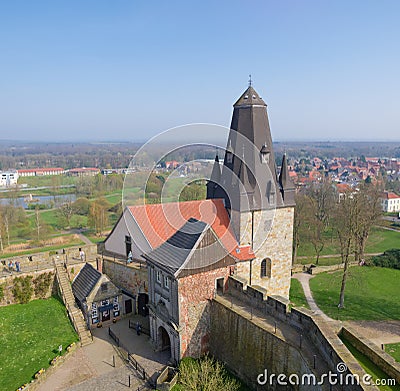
{"x": 10, "y": 265}
{"x": 18, "y": 266}
{"x": 138, "y": 328}
{"x": 82, "y": 255}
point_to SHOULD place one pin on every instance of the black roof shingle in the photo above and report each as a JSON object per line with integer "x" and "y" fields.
{"x": 172, "y": 254}
{"x": 84, "y": 282}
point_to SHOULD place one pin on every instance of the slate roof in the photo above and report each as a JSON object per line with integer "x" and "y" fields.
{"x": 84, "y": 282}
{"x": 250, "y": 97}
{"x": 159, "y": 222}
{"x": 173, "y": 253}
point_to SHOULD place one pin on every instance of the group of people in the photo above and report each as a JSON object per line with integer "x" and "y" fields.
{"x": 11, "y": 265}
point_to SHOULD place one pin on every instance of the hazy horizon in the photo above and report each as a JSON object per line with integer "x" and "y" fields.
{"x": 95, "y": 71}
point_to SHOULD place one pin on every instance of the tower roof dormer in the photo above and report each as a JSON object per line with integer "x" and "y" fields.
{"x": 250, "y": 97}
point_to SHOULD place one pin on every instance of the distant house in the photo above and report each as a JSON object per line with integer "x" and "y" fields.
{"x": 83, "y": 171}
{"x": 8, "y": 178}
{"x": 41, "y": 171}
{"x": 99, "y": 299}
{"x": 390, "y": 202}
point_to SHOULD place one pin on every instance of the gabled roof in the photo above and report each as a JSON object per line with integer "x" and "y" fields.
{"x": 159, "y": 222}
{"x": 389, "y": 195}
{"x": 85, "y": 281}
{"x": 173, "y": 253}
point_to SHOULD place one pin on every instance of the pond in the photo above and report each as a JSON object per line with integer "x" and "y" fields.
{"x": 48, "y": 201}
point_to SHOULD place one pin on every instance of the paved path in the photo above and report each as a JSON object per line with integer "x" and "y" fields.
{"x": 91, "y": 368}
{"x": 304, "y": 279}
{"x": 378, "y": 332}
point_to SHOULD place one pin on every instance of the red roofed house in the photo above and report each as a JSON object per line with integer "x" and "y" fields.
{"x": 41, "y": 171}
{"x": 244, "y": 229}
{"x": 390, "y": 202}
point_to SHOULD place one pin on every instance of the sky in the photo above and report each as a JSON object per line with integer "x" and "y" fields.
{"x": 100, "y": 70}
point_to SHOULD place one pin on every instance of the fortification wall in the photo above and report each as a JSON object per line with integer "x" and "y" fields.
{"x": 379, "y": 357}
{"x": 248, "y": 348}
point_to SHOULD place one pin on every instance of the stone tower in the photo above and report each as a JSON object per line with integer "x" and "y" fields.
{"x": 260, "y": 203}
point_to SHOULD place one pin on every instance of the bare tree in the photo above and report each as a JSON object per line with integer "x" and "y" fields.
{"x": 38, "y": 223}
{"x": 66, "y": 211}
{"x": 344, "y": 223}
{"x": 370, "y": 211}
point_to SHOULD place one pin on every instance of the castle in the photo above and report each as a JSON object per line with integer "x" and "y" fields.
{"x": 244, "y": 228}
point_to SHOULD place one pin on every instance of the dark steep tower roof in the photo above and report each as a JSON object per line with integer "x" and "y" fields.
{"x": 249, "y": 159}
{"x": 215, "y": 179}
{"x": 286, "y": 185}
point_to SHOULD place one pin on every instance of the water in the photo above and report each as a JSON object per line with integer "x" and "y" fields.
{"x": 48, "y": 201}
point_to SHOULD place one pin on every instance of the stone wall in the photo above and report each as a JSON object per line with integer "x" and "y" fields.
{"x": 195, "y": 293}
{"x": 8, "y": 283}
{"x": 132, "y": 277}
{"x": 248, "y": 348}
{"x": 272, "y": 238}
{"x": 379, "y": 357}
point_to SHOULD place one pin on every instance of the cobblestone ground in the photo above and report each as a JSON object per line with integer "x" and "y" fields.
{"x": 91, "y": 368}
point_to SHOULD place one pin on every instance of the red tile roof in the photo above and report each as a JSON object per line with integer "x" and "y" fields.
{"x": 160, "y": 221}
{"x": 389, "y": 195}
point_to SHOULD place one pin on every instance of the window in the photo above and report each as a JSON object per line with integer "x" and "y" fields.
{"x": 265, "y": 268}
{"x": 158, "y": 274}
{"x": 166, "y": 282}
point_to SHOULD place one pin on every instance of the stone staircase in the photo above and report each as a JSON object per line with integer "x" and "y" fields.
{"x": 74, "y": 312}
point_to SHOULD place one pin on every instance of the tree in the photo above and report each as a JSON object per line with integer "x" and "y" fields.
{"x": 300, "y": 218}
{"x": 98, "y": 216}
{"x": 369, "y": 211}
{"x": 205, "y": 374}
{"x": 317, "y": 209}
{"x": 66, "y": 211}
{"x": 344, "y": 224}
{"x": 193, "y": 191}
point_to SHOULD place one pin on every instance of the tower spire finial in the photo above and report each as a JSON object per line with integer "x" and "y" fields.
{"x": 250, "y": 81}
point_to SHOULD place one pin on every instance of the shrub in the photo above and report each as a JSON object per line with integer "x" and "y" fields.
{"x": 205, "y": 374}
{"x": 23, "y": 289}
{"x": 42, "y": 284}
{"x": 390, "y": 258}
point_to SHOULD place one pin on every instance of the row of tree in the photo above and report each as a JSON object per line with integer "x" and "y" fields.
{"x": 348, "y": 215}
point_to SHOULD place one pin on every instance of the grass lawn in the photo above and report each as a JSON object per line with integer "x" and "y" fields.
{"x": 370, "y": 367}
{"x": 379, "y": 240}
{"x": 394, "y": 350}
{"x": 371, "y": 293}
{"x": 296, "y": 294}
{"x": 29, "y": 339}
{"x": 323, "y": 261}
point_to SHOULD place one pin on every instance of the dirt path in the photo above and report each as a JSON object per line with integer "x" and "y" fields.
{"x": 304, "y": 279}
{"x": 378, "y": 332}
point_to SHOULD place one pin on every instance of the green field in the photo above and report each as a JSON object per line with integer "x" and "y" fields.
{"x": 296, "y": 294}
{"x": 371, "y": 293}
{"x": 379, "y": 240}
{"x": 29, "y": 339}
{"x": 369, "y": 367}
{"x": 394, "y": 350}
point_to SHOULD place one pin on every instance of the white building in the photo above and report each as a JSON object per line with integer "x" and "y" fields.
{"x": 390, "y": 202}
{"x": 8, "y": 178}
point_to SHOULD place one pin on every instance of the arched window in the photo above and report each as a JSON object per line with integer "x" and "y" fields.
{"x": 266, "y": 268}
